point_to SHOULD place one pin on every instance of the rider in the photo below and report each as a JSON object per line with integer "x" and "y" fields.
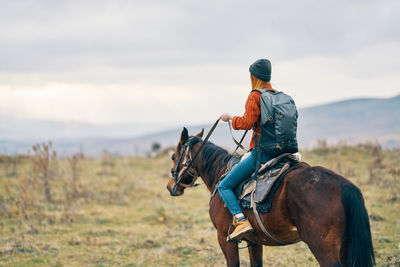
{"x": 260, "y": 75}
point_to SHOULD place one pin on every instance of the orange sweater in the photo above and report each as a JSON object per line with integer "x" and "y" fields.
{"x": 251, "y": 115}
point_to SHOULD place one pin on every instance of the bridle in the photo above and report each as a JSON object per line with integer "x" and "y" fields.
{"x": 188, "y": 160}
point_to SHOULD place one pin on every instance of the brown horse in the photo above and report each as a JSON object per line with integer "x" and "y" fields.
{"x": 313, "y": 204}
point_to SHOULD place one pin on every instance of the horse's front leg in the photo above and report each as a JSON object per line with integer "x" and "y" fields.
{"x": 230, "y": 250}
{"x": 255, "y": 254}
{"x": 221, "y": 218}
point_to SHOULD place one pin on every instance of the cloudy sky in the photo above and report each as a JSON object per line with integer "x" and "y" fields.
{"x": 186, "y": 62}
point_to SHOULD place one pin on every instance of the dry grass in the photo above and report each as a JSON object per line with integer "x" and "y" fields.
{"x": 116, "y": 212}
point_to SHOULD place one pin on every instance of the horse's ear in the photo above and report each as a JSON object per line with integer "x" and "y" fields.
{"x": 200, "y": 134}
{"x": 184, "y": 136}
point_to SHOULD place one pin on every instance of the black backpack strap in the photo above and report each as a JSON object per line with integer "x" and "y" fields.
{"x": 259, "y": 90}
{"x": 265, "y": 90}
{"x": 258, "y": 152}
{"x": 257, "y": 142}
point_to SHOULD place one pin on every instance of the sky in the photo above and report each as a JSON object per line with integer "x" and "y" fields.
{"x": 186, "y": 62}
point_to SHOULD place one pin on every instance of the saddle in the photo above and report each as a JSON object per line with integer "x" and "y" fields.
{"x": 269, "y": 179}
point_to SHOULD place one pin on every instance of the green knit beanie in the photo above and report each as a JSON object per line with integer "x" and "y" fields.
{"x": 261, "y": 69}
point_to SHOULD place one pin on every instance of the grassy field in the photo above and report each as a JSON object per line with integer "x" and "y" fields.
{"x": 115, "y": 211}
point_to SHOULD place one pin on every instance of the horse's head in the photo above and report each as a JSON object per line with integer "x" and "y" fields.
{"x": 183, "y": 173}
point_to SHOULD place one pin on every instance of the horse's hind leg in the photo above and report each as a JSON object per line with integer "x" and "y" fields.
{"x": 326, "y": 250}
{"x": 230, "y": 251}
{"x": 255, "y": 253}
{"x": 324, "y": 235}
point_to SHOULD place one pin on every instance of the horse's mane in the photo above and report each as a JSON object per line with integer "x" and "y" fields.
{"x": 214, "y": 157}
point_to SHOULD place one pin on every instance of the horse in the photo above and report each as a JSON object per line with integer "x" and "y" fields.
{"x": 313, "y": 204}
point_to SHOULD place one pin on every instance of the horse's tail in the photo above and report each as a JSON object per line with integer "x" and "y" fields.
{"x": 358, "y": 243}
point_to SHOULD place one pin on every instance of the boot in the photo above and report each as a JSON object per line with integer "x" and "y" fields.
{"x": 241, "y": 229}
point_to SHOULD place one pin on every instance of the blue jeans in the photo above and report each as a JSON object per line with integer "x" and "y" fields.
{"x": 239, "y": 173}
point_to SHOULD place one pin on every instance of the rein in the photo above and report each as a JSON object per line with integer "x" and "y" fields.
{"x": 179, "y": 175}
{"x": 239, "y": 144}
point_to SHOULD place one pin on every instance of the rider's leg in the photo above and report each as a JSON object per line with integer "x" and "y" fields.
{"x": 239, "y": 173}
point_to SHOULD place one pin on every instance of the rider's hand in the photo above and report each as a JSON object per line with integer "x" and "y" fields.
{"x": 226, "y": 117}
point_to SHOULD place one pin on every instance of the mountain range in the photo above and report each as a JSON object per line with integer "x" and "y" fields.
{"x": 351, "y": 121}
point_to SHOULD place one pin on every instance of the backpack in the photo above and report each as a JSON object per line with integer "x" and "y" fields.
{"x": 278, "y": 123}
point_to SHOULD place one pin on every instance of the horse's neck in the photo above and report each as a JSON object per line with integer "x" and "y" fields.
{"x": 210, "y": 179}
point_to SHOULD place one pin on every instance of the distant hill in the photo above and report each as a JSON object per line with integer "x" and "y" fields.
{"x": 354, "y": 120}
{"x": 17, "y": 129}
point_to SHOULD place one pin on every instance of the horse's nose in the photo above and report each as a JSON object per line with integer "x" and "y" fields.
{"x": 173, "y": 191}
{"x": 170, "y": 192}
